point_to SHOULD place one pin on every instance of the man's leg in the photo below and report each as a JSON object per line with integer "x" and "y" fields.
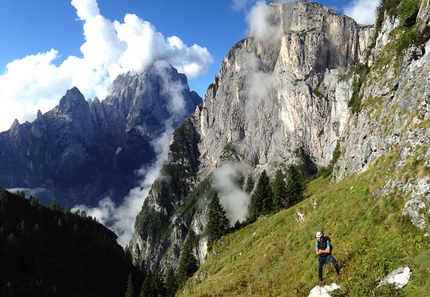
{"x": 321, "y": 261}
{"x": 333, "y": 261}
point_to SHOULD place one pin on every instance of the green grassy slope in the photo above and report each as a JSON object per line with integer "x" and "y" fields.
{"x": 275, "y": 255}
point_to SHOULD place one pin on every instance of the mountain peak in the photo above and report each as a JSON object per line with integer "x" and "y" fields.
{"x": 72, "y": 98}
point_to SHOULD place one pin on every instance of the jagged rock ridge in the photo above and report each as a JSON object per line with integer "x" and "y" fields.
{"x": 83, "y": 151}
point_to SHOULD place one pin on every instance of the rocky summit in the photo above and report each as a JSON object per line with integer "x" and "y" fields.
{"x": 83, "y": 151}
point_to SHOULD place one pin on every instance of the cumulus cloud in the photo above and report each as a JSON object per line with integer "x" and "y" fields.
{"x": 36, "y": 82}
{"x": 120, "y": 218}
{"x": 232, "y": 198}
{"x": 362, "y": 11}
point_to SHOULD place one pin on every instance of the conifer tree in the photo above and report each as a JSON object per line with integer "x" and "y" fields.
{"x": 187, "y": 262}
{"x": 153, "y": 285}
{"x": 294, "y": 186}
{"x": 218, "y": 223}
{"x": 249, "y": 186}
{"x": 146, "y": 289}
{"x": 262, "y": 200}
{"x": 279, "y": 191}
{"x": 130, "y": 291}
{"x": 171, "y": 284}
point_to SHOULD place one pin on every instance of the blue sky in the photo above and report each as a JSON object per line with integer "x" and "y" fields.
{"x": 50, "y": 46}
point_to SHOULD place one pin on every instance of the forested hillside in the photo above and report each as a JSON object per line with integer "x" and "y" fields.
{"x": 48, "y": 252}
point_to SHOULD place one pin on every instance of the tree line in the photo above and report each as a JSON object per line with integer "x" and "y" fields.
{"x": 269, "y": 197}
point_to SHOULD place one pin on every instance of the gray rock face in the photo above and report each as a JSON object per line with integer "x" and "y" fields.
{"x": 82, "y": 151}
{"x": 393, "y": 120}
{"x": 272, "y": 98}
{"x": 277, "y": 92}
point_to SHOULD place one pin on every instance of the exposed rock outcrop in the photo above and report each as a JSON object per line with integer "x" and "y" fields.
{"x": 393, "y": 121}
{"x": 325, "y": 291}
{"x": 399, "y": 278}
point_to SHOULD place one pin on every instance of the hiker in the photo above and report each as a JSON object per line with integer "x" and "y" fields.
{"x": 323, "y": 250}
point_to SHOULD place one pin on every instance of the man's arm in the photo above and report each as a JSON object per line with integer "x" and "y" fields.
{"x": 326, "y": 251}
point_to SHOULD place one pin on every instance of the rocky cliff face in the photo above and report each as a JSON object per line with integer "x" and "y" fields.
{"x": 283, "y": 89}
{"x": 82, "y": 151}
{"x": 393, "y": 121}
{"x": 272, "y": 97}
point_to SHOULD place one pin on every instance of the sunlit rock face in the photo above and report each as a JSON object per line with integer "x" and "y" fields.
{"x": 83, "y": 151}
{"x": 283, "y": 90}
{"x": 393, "y": 121}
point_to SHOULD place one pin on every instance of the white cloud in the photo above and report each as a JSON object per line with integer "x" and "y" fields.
{"x": 362, "y": 11}
{"x": 257, "y": 85}
{"x": 120, "y": 218}
{"x": 232, "y": 198}
{"x": 110, "y": 48}
{"x": 173, "y": 90}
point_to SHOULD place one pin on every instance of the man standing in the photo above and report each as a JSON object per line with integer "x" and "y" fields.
{"x": 323, "y": 250}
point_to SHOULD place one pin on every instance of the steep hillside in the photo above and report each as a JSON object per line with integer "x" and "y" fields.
{"x": 275, "y": 256}
{"x": 47, "y": 252}
{"x": 378, "y": 195}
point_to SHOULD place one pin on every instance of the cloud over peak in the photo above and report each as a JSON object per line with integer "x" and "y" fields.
{"x": 110, "y": 48}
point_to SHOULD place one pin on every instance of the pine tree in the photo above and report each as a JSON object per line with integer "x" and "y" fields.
{"x": 294, "y": 186}
{"x": 147, "y": 290}
{"x": 262, "y": 200}
{"x": 153, "y": 285}
{"x": 171, "y": 284}
{"x": 130, "y": 291}
{"x": 249, "y": 186}
{"x": 187, "y": 262}
{"x": 218, "y": 223}
{"x": 279, "y": 191}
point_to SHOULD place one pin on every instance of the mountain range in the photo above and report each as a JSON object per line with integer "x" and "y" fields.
{"x": 310, "y": 96}
{"x": 83, "y": 151}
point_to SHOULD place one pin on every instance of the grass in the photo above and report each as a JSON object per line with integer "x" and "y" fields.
{"x": 275, "y": 255}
